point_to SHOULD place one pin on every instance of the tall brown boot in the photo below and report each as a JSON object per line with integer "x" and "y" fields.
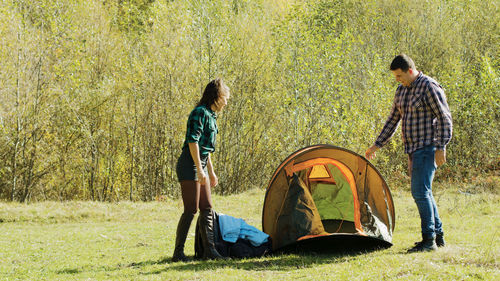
{"x": 207, "y": 236}
{"x": 180, "y": 239}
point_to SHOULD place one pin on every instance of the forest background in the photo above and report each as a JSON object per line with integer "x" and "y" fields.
{"x": 95, "y": 95}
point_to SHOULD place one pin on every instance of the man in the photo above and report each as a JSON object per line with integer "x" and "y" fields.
{"x": 420, "y": 103}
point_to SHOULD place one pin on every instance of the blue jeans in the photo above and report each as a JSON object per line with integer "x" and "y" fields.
{"x": 422, "y": 173}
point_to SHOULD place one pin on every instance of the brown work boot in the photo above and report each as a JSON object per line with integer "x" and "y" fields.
{"x": 426, "y": 245}
{"x": 440, "y": 240}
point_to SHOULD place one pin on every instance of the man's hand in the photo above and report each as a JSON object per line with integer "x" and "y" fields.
{"x": 440, "y": 157}
{"x": 370, "y": 152}
{"x": 214, "y": 181}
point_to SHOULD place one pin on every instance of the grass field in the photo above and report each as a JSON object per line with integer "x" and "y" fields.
{"x": 134, "y": 241}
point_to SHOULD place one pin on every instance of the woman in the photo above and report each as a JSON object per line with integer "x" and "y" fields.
{"x": 195, "y": 170}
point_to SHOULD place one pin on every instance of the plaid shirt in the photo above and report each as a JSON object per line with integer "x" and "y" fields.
{"x": 202, "y": 129}
{"x": 426, "y": 117}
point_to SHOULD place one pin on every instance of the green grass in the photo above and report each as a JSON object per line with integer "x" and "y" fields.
{"x": 134, "y": 241}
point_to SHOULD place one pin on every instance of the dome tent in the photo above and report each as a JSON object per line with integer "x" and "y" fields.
{"x": 326, "y": 197}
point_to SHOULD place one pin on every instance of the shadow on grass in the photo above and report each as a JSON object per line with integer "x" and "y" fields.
{"x": 277, "y": 261}
{"x": 69, "y": 271}
{"x": 162, "y": 260}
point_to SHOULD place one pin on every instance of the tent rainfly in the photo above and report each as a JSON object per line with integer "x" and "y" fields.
{"x": 326, "y": 197}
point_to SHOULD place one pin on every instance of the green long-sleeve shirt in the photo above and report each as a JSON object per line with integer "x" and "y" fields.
{"x": 202, "y": 129}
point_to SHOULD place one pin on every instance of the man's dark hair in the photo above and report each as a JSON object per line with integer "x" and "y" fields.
{"x": 403, "y": 62}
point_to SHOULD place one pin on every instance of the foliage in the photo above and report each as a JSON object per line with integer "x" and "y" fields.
{"x": 94, "y": 95}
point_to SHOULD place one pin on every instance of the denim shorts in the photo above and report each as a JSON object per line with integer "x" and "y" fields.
{"x": 186, "y": 169}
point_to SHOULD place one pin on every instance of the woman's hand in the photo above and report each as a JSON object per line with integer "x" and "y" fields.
{"x": 202, "y": 177}
{"x": 214, "y": 181}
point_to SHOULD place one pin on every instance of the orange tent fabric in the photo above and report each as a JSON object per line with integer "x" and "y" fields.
{"x": 326, "y": 190}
